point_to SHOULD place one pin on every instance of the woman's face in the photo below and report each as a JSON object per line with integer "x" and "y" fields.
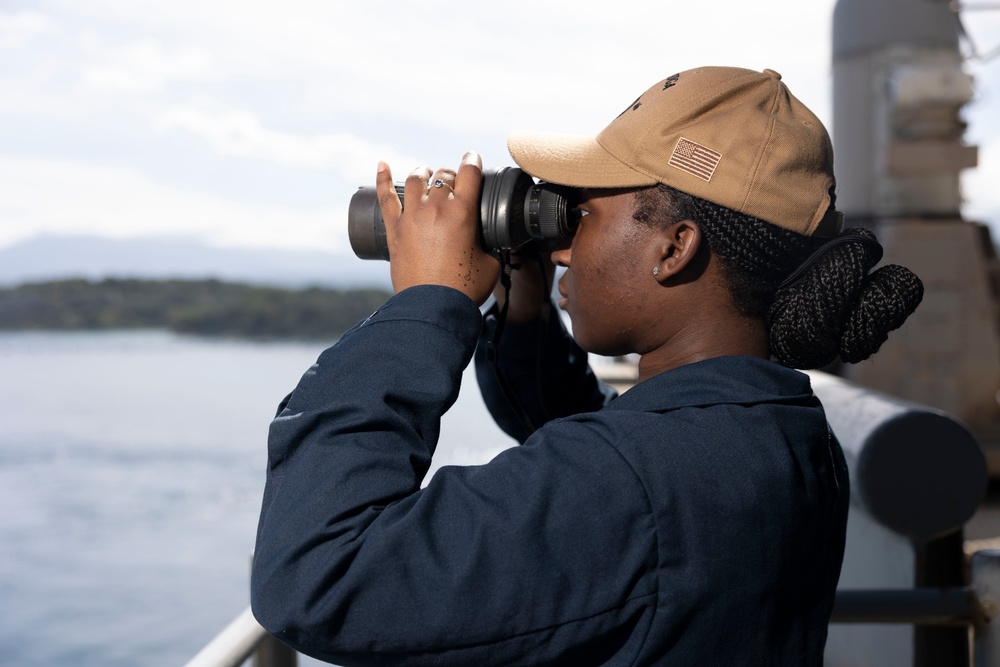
{"x": 609, "y": 277}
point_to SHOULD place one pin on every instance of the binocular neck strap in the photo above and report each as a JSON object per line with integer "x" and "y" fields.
{"x": 493, "y": 349}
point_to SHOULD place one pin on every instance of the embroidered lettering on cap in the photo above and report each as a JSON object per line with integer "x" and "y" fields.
{"x": 671, "y": 81}
{"x": 695, "y": 159}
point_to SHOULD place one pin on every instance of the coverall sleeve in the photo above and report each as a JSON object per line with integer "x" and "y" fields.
{"x": 542, "y": 555}
{"x": 545, "y": 370}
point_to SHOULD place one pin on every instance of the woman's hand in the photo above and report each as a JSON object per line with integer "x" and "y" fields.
{"x": 435, "y": 239}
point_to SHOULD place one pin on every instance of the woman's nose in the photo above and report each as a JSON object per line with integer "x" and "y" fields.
{"x": 561, "y": 257}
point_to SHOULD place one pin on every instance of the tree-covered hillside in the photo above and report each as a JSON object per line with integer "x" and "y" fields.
{"x": 204, "y": 307}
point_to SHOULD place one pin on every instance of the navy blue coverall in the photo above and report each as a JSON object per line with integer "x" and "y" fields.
{"x": 698, "y": 519}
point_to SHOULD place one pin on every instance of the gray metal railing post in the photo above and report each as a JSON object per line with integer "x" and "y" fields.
{"x": 956, "y": 606}
{"x": 917, "y": 475}
{"x": 985, "y": 567}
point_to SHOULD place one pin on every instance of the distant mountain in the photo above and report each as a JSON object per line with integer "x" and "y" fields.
{"x": 43, "y": 258}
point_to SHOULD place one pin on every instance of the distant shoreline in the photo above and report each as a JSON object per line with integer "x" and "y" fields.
{"x": 200, "y": 307}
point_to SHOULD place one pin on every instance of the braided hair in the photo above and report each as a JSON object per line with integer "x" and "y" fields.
{"x": 835, "y": 308}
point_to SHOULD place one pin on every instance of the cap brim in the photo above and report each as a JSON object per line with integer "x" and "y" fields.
{"x": 573, "y": 160}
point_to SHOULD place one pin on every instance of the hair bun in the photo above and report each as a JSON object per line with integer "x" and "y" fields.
{"x": 888, "y": 297}
{"x": 835, "y": 308}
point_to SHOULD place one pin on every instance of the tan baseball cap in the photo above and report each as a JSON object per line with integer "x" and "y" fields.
{"x": 732, "y": 136}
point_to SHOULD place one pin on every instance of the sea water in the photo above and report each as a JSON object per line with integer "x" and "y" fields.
{"x": 131, "y": 470}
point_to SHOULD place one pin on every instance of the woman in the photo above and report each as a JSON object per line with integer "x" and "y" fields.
{"x": 697, "y": 519}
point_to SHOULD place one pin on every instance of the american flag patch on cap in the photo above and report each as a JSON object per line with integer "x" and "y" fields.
{"x": 695, "y": 159}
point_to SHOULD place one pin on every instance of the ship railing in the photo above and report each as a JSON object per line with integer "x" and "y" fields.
{"x": 244, "y": 639}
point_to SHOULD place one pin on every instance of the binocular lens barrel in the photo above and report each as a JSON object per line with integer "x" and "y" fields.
{"x": 513, "y": 210}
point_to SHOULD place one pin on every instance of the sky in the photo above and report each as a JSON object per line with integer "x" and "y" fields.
{"x": 251, "y": 123}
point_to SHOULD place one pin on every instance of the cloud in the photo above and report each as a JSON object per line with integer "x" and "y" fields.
{"x": 239, "y": 133}
{"x": 63, "y": 197}
{"x": 145, "y": 66}
{"x": 331, "y": 88}
{"x": 476, "y": 67}
{"x": 535, "y": 64}
{"x": 18, "y": 29}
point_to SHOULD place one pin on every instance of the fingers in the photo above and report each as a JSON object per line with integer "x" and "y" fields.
{"x": 469, "y": 179}
{"x": 416, "y": 184}
{"x": 443, "y": 180}
{"x": 387, "y": 198}
{"x": 434, "y": 238}
{"x": 465, "y": 183}
{"x": 424, "y": 188}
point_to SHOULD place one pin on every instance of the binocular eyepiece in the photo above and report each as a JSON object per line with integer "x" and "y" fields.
{"x": 513, "y": 210}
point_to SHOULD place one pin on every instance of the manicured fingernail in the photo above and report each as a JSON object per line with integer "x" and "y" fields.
{"x": 472, "y": 157}
{"x": 382, "y": 166}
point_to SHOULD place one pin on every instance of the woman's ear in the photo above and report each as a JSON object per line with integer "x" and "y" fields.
{"x": 679, "y": 245}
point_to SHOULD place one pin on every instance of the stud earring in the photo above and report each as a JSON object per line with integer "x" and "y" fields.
{"x": 656, "y": 270}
